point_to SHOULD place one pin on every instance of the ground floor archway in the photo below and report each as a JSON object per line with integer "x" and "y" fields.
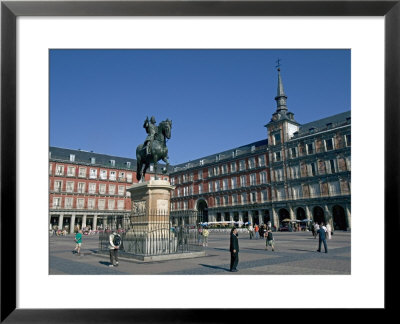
{"x": 266, "y": 217}
{"x": 300, "y": 214}
{"x": 283, "y": 214}
{"x": 318, "y": 214}
{"x": 202, "y": 208}
{"x": 339, "y": 218}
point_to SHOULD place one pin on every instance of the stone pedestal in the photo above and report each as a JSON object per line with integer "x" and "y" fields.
{"x": 149, "y": 228}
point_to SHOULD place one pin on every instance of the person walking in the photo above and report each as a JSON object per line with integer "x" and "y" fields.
{"x": 199, "y": 235}
{"x": 205, "y": 236}
{"x": 251, "y": 231}
{"x": 256, "y": 229}
{"x": 269, "y": 240}
{"x": 262, "y": 231}
{"x": 234, "y": 249}
{"x": 316, "y": 228}
{"x": 329, "y": 231}
{"x": 322, "y": 238}
{"x": 115, "y": 243}
{"x": 78, "y": 241}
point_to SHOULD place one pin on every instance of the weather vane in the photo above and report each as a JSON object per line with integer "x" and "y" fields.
{"x": 279, "y": 64}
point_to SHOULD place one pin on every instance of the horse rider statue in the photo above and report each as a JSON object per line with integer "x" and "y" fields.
{"x": 151, "y": 130}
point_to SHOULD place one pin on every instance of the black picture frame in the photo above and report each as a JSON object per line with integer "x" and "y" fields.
{"x": 10, "y": 10}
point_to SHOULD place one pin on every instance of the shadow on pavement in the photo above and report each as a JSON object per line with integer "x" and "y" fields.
{"x": 104, "y": 263}
{"x": 214, "y": 267}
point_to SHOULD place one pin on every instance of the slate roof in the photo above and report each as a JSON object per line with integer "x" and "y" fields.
{"x": 225, "y": 155}
{"x": 322, "y": 124}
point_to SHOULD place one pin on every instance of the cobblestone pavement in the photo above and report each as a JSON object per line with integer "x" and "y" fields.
{"x": 295, "y": 254}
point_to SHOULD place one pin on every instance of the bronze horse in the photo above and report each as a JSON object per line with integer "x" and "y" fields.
{"x": 159, "y": 151}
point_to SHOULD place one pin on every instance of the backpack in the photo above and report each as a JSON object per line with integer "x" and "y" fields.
{"x": 117, "y": 240}
{"x": 269, "y": 236}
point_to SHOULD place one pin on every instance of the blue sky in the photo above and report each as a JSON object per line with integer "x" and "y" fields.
{"x": 217, "y": 99}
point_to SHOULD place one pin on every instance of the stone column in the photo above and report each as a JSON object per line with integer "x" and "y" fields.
{"x": 291, "y": 213}
{"x": 84, "y": 220}
{"x": 308, "y": 214}
{"x": 95, "y": 222}
{"x": 60, "y": 221}
{"x": 348, "y": 217}
{"x": 260, "y": 217}
{"x": 328, "y": 215}
{"x": 275, "y": 218}
{"x": 72, "y": 225}
{"x": 240, "y": 216}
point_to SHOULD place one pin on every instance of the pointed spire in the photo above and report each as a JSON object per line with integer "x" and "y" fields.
{"x": 281, "y": 96}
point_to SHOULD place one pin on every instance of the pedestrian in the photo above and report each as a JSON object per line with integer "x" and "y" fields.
{"x": 262, "y": 231}
{"x": 316, "y": 228}
{"x": 199, "y": 235}
{"x": 269, "y": 240}
{"x": 251, "y": 231}
{"x": 78, "y": 241}
{"x": 322, "y": 238}
{"x": 205, "y": 236}
{"x": 256, "y": 229}
{"x": 329, "y": 231}
{"x": 234, "y": 249}
{"x": 115, "y": 243}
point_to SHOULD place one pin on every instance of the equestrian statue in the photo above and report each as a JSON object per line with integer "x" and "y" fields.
{"x": 154, "y": 147}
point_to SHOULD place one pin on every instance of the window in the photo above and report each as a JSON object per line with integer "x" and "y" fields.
{"x": 113, "y": 175}
{"x": 224, "y": 169}
{"x": 297, "y": 192}
{"x": 56, "y": 202}
{"x": 92, "y": 188}
{"x": 101, "y": 203}
{"x": 111, "y": 189}
{"x": 280, "y": 193}
{"x": 184, "y": 178}
{"x": 315, "y": 190}
{"x": 50, "y": 168}
{"x": 226, "y": 200}
{"x": 201, "y": 162}
{"x": 261, "y": 160}
{"x": 233, "y": 167}
{"x": 242, "y": 165}
{"x": 69, "y": 202}
{"x": 277, "y": 156}
{"x": 332, "y": 165}
{"x": 210, "y": 172}
{"x": 295, "y": 172}
{"x": 112, "y": 162}
{"x": 81, "y": 187}
{"x": 225, "y": 184}
{"x": 128, "y": 164}
{"x": 313, "y": 168}
{"x": 111, "y": 204}
{"x": 234, "y": 183}
{"x": 329, "y": 144}
{"x": 234, "y": 199}
{"x": 191, "y": 176}
{"x": 293, "y": 152}
{"x": 253, "y": 197}
{"x": 102, "y": 188}
{"x": 121, "y": 204}
{"x": 217, "y": 185}
{"x": 263, "y": 177}
{"x": 59, "y": 170}
{"x": 210, "y": 187}
{"x": 277, "y": 138}
{"x": 121, "y": 176}
{"x": 243, "y": 180}
{"x": 347, "y": 139}
{"x": 121, "y": 190}
{"x": 93, "y": 174}
{"x": 216, "y": 170}
{"x": 129, "y": 177}
{"x": 71, "y": 171}
{"x": 185, "y": 205}
{"x": 200, "y": 174}
{"x": 200, "y": 189}
{"x": 264, "y": 195}
{"x": 279, "y": 174}
{"x": 103, "y": 174}
{"x": 334, "y": 188}
{"x": 72, "y": 157}
{"x": 82, "y": 172}
{"x": 80, "y": 203}
{"x": 217, "y": 157}
{"x": 57, "y": 186}
{"x": 91, "y": 203}
{"x": 217, "y": 201}
{"x": 252, "y": 163}
{"x": 178, "y": 192}
{"x": 310, "y": 148}
{"x": 253, "y": 179}
{"x": 70, "y": 186}
{"x": 93, "y": 160}
{"x": 244, "y": 198}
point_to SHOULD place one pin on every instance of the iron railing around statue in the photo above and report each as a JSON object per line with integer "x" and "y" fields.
{"x": 154, "y": 233}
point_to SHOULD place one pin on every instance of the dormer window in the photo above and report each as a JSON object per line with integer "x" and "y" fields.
{"x": 329, "y": 125}
{"x": 311, "y": 130}
{"x": 112, "y": 162}
{"x": 72, "y": 157}
{"x": 253, "y": 148}
{"x": 201, "y": 162}
{"x": 128, "y": 164}
{"x": 217, "y": 157}
{"x": 93, "y": 160}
